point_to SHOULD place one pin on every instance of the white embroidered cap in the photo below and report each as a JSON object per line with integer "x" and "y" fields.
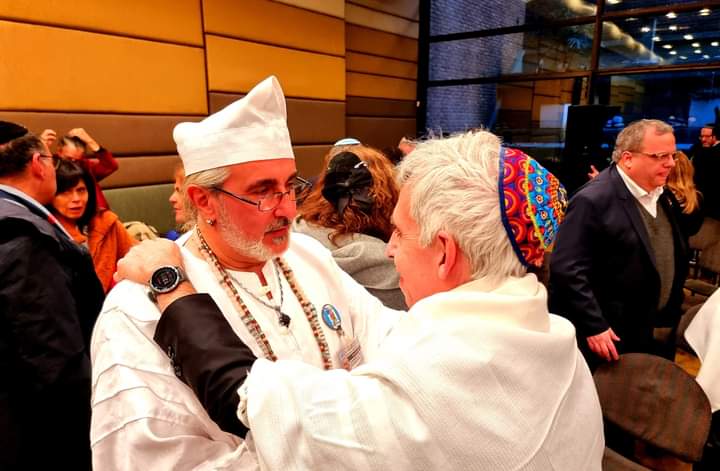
{"x": 250, "y": 129}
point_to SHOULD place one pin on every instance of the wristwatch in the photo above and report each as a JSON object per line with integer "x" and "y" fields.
{"x": 165, "y": 279}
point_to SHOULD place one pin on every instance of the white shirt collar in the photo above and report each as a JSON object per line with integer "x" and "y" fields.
{"x": 648, "y": 199}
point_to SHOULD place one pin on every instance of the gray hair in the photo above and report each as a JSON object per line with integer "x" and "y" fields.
{"x": 631, "y": 138}
{"x": 454, "y": 188}
{"x": 205, "y": 179}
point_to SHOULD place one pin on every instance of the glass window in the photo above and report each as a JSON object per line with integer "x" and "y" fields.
{"x": 686, "y": 100}
{"x": 685, "y": 38}
{"x": 560, "y": 50}
{"x": 616, "y": 5}
{"x": 460, "y": 16}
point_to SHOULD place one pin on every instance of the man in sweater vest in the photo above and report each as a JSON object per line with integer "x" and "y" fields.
{"x": 619, "y": 264}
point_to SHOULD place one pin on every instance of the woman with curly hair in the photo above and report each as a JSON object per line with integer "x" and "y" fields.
{"x": 349, "y": 212}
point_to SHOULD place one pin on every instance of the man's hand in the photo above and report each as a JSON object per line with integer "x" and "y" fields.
{"x": 593, "y": 172}
{"x": 81, "y": 134}
{"x": 143, "y": 259}
{"x": 603, "y": 345}
{"x": 49, "y": 137}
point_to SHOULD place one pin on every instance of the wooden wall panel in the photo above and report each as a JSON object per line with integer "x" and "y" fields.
{"x": 309, "y": 159}
{"x": 274, "y": 23}
{"x": 136, "y": 171}
{"x": 362, "y": 16}
{"x": 380, "y": 132}
{"x": 237, "y": 66}
{"x": 101, "y": 73}
{"x": 360, "y": 39}
{"x": 357, "y": 62}
{"x": 329, "y": 7}
{"x": 310, "y": 121}
{"x": 382, "y": 87}
{"x": 139, "y": 18}
{"x": 409, "y": 9}
{"x": 363, "y": 106}
{"x": 121, "y": 134}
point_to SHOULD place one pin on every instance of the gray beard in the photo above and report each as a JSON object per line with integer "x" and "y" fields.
{"x": 235, "y": 238}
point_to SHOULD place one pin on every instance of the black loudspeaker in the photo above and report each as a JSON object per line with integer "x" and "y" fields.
{"x": 587, "y": 142}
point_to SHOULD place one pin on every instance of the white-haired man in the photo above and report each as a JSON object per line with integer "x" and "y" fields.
{"x": 477, "y": 376}
{"x": 286, "y": 298}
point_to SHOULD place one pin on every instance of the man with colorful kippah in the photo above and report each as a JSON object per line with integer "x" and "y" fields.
{"x": 284, "y": 297}
{"x": 478, "y": 375}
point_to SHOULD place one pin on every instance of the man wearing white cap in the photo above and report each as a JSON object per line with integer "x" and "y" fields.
{"x": 284, "y": 297}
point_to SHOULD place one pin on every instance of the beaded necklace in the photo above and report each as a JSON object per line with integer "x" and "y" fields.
{"x": 246, "y": 316}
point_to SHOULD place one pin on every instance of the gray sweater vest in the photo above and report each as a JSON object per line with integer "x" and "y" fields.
{"x": 661, "y": 239}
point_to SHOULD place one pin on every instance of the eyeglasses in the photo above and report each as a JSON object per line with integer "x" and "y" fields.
{"x": 272, "y": 200}
{"x": 660, "y": 156}
{"x": 55, "y": 159}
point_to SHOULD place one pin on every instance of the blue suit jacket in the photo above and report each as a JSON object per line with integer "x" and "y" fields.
{"x": 602, "y": 270}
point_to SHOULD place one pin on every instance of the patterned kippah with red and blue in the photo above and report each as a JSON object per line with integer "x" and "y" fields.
{"x": 532, "y": 205}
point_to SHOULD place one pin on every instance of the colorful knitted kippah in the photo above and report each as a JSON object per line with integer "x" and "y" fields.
{"x": 532, "y": 205}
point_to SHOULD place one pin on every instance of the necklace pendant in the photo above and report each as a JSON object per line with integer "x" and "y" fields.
{"x": 283, "y": 319}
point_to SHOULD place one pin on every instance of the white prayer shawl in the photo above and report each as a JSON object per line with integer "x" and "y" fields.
{"x": 471, "y": 379}
{"x": 703, "y": 335}
{"x": 145, "y": 418}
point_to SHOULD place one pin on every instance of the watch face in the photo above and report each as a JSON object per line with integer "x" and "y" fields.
{"x": 165, "y": 278}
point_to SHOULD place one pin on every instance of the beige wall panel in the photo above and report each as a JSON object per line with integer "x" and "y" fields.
{"x": 357, "y": 62}
{"x": 360, "y": 39}
{"x": 362, "y": 106}
{"x": 409, "y": 9}
{"x": 237, "y": 66}
{"x": 376, "y": 20}
{"x": 380, "y": 87}
{"x": 329, "y": 7}
{"x": 137, "y": 171}
{"x": 275, "y": 23}
{"x": 380, "y": 132}
{"x": 309, "y": 159}
{"x": 121, "y": 134}
{"x": 101, "y": 73}
{"x": 310, "y": 121}
{"x": 170, "y": 20}
{"x": 514, "y": 98}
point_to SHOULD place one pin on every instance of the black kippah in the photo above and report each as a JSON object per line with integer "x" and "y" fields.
{"x": 10, "y": 131}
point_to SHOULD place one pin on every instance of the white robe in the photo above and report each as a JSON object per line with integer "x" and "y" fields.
{"x": 145, "y": 418}
{"x": 471, "y": 379}
{"x": 703, "y": 335}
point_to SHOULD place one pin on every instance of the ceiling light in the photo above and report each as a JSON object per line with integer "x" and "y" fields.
{"x": 689, "y": 37}
{"x": 683, "y": 57}
{"x": 667, "y": 46}
{"x": 672, "y": 15}
{"x": 656, "y": 38}
{"x": 672, "y": 53}
{"x": 698, "y": 51}
{"x": 614, "y": 2}
{"x": 715, "y": 43}
{"x": 704, "y": 12}
{"x": 632, "y": 18}
{"x": 705, "y": 56}
{"x": 672, "y": 27}
{"x": 645, "y": 29}
{"x": 695, "y": 44}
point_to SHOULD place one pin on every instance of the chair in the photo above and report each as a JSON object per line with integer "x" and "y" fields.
{"x": 709, "y": 260}
{"x": 655, "y": 404}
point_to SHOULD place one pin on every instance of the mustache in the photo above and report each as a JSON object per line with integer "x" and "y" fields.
{"x": 279, "y": 223}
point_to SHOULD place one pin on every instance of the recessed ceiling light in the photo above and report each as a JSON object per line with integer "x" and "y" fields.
{"x": 672, "y": 27}
{"x": 689, "y": 37}
{"x": 715, "y": 43}
{"x": 704, "y": 12}
{"x": 667, "y": 46}
{"x": 672, "y": 15}
{"x": 614, "y": 2}
{"x": 632, "y": 18}
{"x": 645, "y": 29}
{"x": 656, "y": 38}
{"x": 695, "y": 44}
{"x": 672, "y": 53}
{"x": 698, "y": 51}
{"x": 683, "y": 57}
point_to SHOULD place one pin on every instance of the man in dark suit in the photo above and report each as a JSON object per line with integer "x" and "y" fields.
{"x": 706, "y": 160}
{"x": 620, "y": 262}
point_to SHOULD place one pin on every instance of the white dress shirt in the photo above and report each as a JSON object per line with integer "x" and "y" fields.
{"x": 648, "y": 200}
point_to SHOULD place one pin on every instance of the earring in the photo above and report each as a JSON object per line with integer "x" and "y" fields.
{"x": 210, "y": 222}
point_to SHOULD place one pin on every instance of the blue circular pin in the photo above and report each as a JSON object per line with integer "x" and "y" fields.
{"x": 331, "y": 317}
